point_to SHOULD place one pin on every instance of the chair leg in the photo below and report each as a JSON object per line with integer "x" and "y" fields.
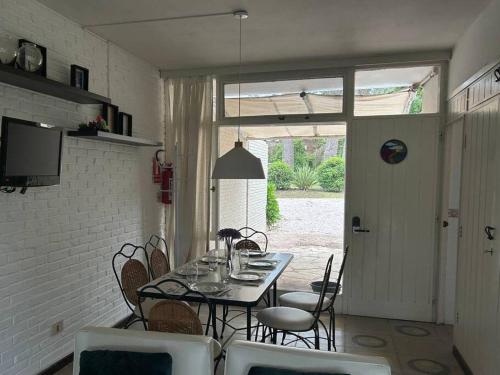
{"x": 274, "y": 335}
{"x": 264, "y": 331}
{"x": 283, "y": 338}
{"x": 332, "y": 327}
{"x": 316, "y": 338}
{"x": 225, "y": 312}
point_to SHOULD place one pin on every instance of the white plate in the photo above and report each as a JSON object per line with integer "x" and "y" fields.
{"x": 205, "y": 259}
{"x": 247, "y": 276}
{"x": 208, "y": 287}
{"x": 262, "y": 263}
{"x": 183, "y": 271}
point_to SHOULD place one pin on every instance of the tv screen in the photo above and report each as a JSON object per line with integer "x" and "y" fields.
{"x": 30, "y": 155}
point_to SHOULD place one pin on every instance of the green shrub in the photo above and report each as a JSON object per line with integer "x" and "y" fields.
{"x": 272, "y": 207}
{"x": 280, "y": 174}
{"x": 331, "y": 174}
{"x": 275, "y": 153}
{"x": 304, "y": 178}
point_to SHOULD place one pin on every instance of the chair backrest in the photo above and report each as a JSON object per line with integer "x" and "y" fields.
{"x": 324, "y": 287}
{"x": 190, "y": 354}
{"x": 173, "y": 290}
{"x": 250, "y": 239}
{"x": 159, "y": 257}
{"x": 339, "y": 277}
{"x": 241, "y": 356}
{"x": 174, "y": 317}
{"x": 133, "y": 274}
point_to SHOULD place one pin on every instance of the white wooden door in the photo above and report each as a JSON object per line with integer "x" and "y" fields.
{"x": 477, "y": 329}
{"x": 390, "y": 270}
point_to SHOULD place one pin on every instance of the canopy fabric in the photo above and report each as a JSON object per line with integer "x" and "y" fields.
{"x": 365, "y": 105}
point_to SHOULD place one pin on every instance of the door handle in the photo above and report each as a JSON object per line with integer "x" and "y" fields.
{"x": 356, "y": 226}
{"x": 490, "y": 251}
{"x": 489, "y": 235}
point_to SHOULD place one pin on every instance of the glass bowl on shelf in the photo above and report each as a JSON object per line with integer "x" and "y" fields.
{"x": 8, "y": 48}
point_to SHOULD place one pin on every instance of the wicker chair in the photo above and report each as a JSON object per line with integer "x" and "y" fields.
{"x": 172, "y": 314}
{"x": 133, "y": 275}
{"x": 158, "y": 258}
{"x": 247, "y": 242}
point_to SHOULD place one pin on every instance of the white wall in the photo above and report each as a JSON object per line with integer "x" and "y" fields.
{"x": 56, "y": 243}
{"x": 477, "y": 47}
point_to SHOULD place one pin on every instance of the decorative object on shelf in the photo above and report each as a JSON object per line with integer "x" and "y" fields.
{"x": 497, "y": 74}
{"x": 8, "y": 48}
{"x": 110, "y": 114}
{"x": 79, "y": 77}
{"x": 393, "y": 151}
{"x": 125, "y": 124}
{"x": 228, "y": 235}
{"x": 238, "y": 163}
{"x": 32, "y": 57}
{"x": 98, "y": 124}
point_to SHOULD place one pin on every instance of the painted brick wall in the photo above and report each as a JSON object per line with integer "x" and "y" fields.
{"x": 243, "y": 201}
{"x": 56, "y": 243}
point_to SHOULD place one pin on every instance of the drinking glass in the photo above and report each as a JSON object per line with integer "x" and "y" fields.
{"x": 212, "y": 260}
{"x": 225, "y": 271}
{"x": 244, "y": 258}
{"x": 192, "y": 274}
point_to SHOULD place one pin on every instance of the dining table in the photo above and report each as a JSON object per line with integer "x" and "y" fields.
{"x": 238, "y": 293}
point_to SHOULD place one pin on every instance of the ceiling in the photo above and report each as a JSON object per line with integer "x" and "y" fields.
{"x": 276, "y": 31}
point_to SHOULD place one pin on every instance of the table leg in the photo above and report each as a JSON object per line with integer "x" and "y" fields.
{"x": 213, "y": 308}
{"x": 249, "y": 323}
{"x": 275, "y": 292}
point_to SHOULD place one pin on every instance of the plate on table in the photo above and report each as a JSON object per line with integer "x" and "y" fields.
{"x": 209, "y": 287}
{"x": 184, "y": 271}
{"x": 206, "y": 259}
{"x": 247, "y": 276}
{"x": 263, "y": 263}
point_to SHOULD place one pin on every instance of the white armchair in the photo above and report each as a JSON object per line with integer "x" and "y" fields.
{"x": 242, "y": 356}
{"x": 190, "y": 354}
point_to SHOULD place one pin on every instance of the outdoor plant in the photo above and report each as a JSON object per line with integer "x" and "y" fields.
{"x": 272, "y": 207}
{"x": 331, "y": 174}
{"x": 304, "y": 178}
{"x": 280, "y": 174}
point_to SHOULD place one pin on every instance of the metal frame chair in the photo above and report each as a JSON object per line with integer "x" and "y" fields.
{"x": 330, "y": 332}
{"x": 314, "y": 326}
{"x": 247, "y": 242}
{"x": 172, "y": 302}
{"x": 133, "y": 266}
{"x": 158, "y": 259}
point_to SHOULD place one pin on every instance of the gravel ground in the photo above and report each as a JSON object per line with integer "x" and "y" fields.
{"x": 311, "y": 229}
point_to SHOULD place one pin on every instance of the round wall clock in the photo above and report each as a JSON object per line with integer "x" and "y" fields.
{"x": 393, "y": 151}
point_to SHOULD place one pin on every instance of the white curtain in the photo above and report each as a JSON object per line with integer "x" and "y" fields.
{"x": 188, "y": 143}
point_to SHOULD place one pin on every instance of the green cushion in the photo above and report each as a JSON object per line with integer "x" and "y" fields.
{"x": 109, "y": 362}
{"x": 281, "y": 371}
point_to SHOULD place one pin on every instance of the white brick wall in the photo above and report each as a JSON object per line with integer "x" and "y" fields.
{"x": 243, "y": 202}
{"x": 56, "y": 243}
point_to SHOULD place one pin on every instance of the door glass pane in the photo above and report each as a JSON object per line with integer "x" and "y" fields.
{"x": 291, "y": 97}
{"x": 397, "y": 91}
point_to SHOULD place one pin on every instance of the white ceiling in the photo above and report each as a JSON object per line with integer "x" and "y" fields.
{"x": 276, "y": 31}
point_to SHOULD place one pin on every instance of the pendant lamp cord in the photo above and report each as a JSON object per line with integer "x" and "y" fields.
{"x": 239, "y": 87}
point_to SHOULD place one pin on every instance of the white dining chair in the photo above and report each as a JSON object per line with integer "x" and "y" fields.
{"x": 242, "y": 356}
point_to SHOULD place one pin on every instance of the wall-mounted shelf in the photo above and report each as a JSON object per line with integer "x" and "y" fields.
{"x": 113, "y": 138}
{"x": 33, "y": 82}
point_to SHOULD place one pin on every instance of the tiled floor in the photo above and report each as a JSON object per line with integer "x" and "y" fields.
{"x": 412, "y": 348}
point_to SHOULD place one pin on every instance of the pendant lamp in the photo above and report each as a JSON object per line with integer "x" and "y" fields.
{"x": 239, "y": 163}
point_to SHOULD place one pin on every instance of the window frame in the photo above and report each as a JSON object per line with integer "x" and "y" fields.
{"x": 222, "y": 80}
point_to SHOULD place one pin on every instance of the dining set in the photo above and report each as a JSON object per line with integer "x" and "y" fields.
{"x": 205, "y": 295}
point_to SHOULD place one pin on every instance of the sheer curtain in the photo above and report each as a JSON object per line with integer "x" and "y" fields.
{"x": 188, "y": 143}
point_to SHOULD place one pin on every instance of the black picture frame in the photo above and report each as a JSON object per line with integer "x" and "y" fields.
{"x": 125, "y": 123}
{"x": 43, "y": 69}
{"x": 79, "y": 77}
{"x": 393, "y": 151}
{"x": 110, "y": 114}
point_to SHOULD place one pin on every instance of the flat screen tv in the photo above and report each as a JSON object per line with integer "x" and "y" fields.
{"x": 30, "y": 154}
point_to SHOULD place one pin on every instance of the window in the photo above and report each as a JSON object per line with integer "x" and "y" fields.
{"x": 397, "y": 91}
{"x": 285, "y": 97}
